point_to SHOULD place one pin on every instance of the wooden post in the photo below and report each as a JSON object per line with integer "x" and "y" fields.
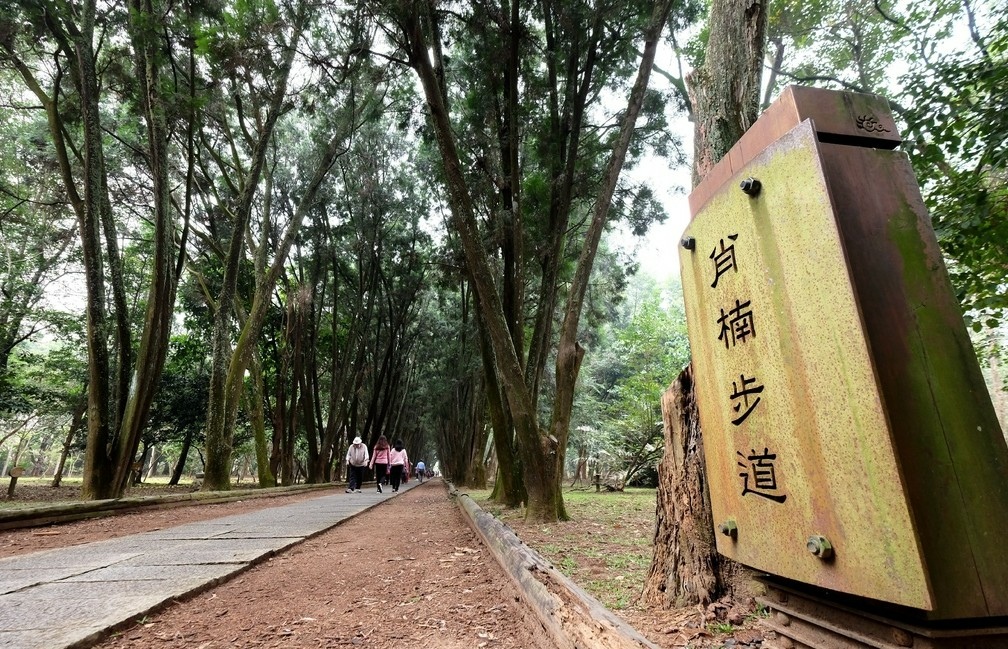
{"x": 14, "y": 474}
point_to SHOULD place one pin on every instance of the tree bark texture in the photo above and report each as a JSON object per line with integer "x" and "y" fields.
{"x": 508, "y": 487}
{"x": 685, "y": 567}
{"x": 97, "y": 468}
{"x": 725, "y": 90}
{"x": 725, "y": 94}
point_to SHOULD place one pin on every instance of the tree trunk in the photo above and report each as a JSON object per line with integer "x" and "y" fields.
{"x": 581, "y": 471}
{"x": 137, "y": 468}
{"x": 153, "y": 349}
{"x": 569, "y": 353}
{"x": 685, "y": 567}
{"x": 508, "y": 488}
{"x": 116, "y": 411}
{"x": 725, "y": 90}
{"x": 255, "y": 396}
{"x": 183, "y": 455}
{"x": 224, "y": 372}
{"x": 98, "y": 470}
{"x": 75, "y": 424}
{"x": 152, "y": 464}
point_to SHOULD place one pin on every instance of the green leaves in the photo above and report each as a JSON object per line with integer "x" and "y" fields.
{"x": 957, "y": 121}
{"x": 638, "y": 354}
{"x": 952, "y": 98}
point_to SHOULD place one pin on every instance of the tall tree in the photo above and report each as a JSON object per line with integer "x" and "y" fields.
{"x": 957, "y": 124}
{"x": 267, "y": 106}
{"x": 581, "y": 45}
{"x": 725, "y": 93}
{"x": 70, "y": 93}
{"x": 332, "y": 118}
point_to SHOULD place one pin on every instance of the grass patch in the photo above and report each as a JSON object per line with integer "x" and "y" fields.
{"x": 605, "y": 547}
{"x": 722, "y": 628}
{"x": 568, "y": 566}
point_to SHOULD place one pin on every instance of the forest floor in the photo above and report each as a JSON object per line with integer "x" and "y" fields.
{"x": 407, "y": 573}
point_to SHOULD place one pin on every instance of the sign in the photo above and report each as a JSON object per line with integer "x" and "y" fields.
{"x": 803, "y": 473}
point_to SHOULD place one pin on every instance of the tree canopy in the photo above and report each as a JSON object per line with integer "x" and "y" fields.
{"x": 240, "y": 234}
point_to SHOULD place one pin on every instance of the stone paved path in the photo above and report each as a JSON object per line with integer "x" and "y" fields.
{"x": 69, "y": 597}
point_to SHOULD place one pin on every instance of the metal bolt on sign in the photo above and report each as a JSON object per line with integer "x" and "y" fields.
{"x": 751, "y": 187}
{"x": 820, "y": 547}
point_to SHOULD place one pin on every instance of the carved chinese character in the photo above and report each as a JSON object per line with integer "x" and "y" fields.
{"x": 760, "y": 469}
{"x": 742, "y": 394}
{"x": 737, "y": 324}
{"x": 724, "y": 259}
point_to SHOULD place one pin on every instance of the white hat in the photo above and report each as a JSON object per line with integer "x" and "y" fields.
{"x": 357, "y": 440}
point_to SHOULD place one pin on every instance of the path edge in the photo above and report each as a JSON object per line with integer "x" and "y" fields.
{"x": 569, "y": 614}
{"x": 66, "y": 512}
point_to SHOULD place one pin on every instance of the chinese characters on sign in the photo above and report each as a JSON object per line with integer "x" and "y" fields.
{"x": 761, "y": 469}
{"x": 736, "y": 326}
{"x": 724, "y": 260}
{"x": 744, "y": 394}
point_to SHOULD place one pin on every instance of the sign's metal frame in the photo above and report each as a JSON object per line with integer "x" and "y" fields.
{"x": 796, "y": 440}
{"x": 884, "y": 438}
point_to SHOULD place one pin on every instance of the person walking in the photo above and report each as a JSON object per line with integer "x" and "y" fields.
{"x": 380, "y": 460}
{"x": 421, "y": 471}
{"x": 398, "y": 459}
{"x": 356, "y": 459}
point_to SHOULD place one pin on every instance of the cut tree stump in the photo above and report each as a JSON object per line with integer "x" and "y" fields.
{"x": 14, "y": 474}
{"x": 685, "y": 568}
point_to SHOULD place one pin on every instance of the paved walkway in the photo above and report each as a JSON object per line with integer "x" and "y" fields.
{"x": 69, "y": 597}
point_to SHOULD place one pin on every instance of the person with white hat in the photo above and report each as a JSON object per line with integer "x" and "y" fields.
{"x": 356, "y": 459}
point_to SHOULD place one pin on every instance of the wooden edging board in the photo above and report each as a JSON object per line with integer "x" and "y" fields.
{"x": 571, "y": 616}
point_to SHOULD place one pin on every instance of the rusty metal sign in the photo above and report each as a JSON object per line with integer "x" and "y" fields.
{"x": 803, "y": 476}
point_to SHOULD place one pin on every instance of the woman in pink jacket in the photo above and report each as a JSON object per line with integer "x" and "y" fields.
{"x": 380, "y": 460}
{"x": 399, "y": 460}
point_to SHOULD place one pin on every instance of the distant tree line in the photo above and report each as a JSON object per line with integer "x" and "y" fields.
{"x": 237, "y": 235}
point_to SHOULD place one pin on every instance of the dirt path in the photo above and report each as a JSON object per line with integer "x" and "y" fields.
{"x": 381, "y": 579}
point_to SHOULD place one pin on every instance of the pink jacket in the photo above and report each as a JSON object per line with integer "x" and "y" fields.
{"x": 399, "y": 457}
{"x": 381, "y": 456}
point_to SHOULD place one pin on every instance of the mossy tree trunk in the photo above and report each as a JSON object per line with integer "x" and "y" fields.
{"x": 724, "y": 93}
{"x": 540, "y": 449}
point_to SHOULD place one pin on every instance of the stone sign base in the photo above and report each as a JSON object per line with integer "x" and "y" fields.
{"x": 804, "y": 619}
